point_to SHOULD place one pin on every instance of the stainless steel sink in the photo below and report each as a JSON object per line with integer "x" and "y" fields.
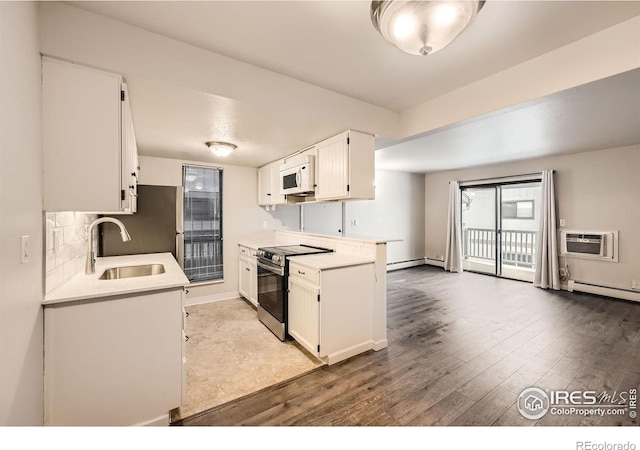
{"x": 132, "y": 271}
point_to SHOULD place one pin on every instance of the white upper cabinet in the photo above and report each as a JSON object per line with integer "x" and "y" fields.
{"x": 345, "y": 167}
{"x": 269, "y": 185}
{"x": 89, "y": 151}
{"x": 130, "y": 168}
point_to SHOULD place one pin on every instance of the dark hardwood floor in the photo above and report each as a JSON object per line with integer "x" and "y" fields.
{"x": 461, "y": 349}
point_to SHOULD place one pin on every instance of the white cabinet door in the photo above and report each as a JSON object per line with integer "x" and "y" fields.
{"x": 89, "y": 151}
{"x": 277, "y": 198}
{"x": 264, "y": 186}
{"x": 253, "y": 281}
{"x": 332, "y": 168}
{"x": 129, "y": 172}
{"x": 113, "y": 361}
{"x": 304, "y": 314}
{"x": 244, "y": 278}
{"x": 269, "y": 185}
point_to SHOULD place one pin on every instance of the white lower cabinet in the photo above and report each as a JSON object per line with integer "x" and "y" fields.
{"x": 248, "y": 275}
{"x": 330, "y": 311}
{"x": 114, "y": 361}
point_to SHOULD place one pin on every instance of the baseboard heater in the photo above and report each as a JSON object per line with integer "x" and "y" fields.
{"x": 404, "y": 264}
{"x": 625, "y": 294}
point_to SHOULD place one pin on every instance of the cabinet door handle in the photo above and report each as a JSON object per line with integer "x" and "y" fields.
{"x": 301, "y": 272}
{"x": 247, "y": 269}
{"x": 187, "y": 314}
{"x": 186, "y": 338}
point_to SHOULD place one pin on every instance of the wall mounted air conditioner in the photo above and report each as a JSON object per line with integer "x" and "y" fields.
{"x": 599, "y": 245}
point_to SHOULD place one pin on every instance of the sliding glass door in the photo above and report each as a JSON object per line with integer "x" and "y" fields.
{"x": 479, "y": 237}
{"x": 499, "y": 229}
{"x": 519, "y": 220}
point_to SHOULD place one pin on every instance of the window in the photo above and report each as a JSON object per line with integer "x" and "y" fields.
{"x": 522, "y": 209}
{"x": 202, "y": 223}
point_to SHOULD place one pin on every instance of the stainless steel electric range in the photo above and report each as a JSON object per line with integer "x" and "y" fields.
{"x": 273, "y": 274}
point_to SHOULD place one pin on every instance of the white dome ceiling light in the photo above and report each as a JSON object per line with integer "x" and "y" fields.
{"x": 423, "y": 27}
{"x": 221, "y": 149}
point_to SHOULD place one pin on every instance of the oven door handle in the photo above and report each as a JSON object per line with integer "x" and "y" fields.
{"x": 272, "y": 268}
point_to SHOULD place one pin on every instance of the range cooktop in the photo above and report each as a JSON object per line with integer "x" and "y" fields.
{"x": 279, "y": 253}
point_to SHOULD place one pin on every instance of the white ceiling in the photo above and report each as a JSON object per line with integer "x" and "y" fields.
{"x": 598, "y": 115}
{"x": 332, "y": 44}
{"x": 174, "y": 122}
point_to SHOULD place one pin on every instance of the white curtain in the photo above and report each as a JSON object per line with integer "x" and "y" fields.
{"x": 547, "y": 271}
{"x": 453, "y": 253}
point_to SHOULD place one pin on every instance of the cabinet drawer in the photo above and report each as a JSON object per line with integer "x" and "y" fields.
{"x": 304, "y": 272}
{"x": 246, "y": 251}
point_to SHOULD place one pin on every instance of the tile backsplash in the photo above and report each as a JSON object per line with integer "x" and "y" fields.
{"x": 66, "y": 245}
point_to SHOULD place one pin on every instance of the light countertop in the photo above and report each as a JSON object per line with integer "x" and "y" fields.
{"x": 324, "y": 261}
{"x": 347, "y": 237}
{"x": 255, "y": 245}
{"x": 84, "y": 286}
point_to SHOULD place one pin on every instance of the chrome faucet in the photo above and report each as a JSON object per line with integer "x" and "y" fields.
{"x": 90, "y": 265}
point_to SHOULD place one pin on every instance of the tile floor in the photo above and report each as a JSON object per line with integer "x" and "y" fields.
{"x": 230, "y": 354}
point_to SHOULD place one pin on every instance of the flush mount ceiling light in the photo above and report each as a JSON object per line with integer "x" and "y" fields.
{"x": 221, "y": 148}
{"x": 422, "y": 27}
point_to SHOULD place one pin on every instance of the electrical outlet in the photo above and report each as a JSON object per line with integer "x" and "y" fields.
{"x": 635, "y": 284}
{"x": 563, "y": 222}
{"x": 265, "y": 224}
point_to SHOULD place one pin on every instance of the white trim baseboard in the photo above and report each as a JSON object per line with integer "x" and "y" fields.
{"x": 379, "y": 345}
{"x": 211, "y": 298}
{"x": 347, "y": 353}
{"x": 434, "y": 262}
{"x": 162, "y": 421}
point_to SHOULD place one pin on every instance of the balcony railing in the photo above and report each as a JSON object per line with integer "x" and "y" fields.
{"x": 518, "y": 246}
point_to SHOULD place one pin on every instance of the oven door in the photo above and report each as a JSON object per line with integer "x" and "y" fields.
{"x": 271, "y": 289}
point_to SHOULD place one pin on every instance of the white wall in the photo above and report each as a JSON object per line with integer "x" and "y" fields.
{"x": 132, "y": 51}
{"x": 323, "y": 218}
{"x": 242, "y": 218}
{"x": 594, "y": 191}
{"x": 21, "y": 341}
{"x": 396, "y": 212}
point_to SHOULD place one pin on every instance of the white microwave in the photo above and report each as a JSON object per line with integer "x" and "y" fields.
{"x": 297, "y": 176}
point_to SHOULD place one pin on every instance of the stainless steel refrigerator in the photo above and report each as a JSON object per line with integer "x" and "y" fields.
{"x": 157, "y": 226}
{"x": 184, "y": 221}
